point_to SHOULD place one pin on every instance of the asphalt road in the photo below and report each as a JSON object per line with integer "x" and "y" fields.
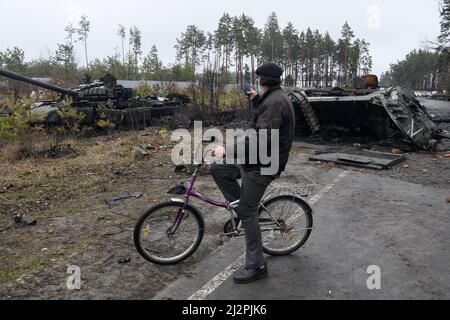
{"x": 440, "y": 109}
{"x": 361, "y": 221}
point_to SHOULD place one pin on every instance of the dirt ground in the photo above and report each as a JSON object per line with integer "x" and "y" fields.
{"x": 75, "y": 226}
{"x": 66, "y": 195}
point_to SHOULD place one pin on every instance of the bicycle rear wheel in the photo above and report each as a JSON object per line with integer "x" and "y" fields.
{"x": 286, "y": 223}
{"x": 157, "y": 244}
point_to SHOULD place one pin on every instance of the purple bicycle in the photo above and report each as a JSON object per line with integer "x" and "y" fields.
{"x": 171, "y": 232}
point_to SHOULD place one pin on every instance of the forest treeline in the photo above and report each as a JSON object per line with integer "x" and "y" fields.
{"x": 232, "y": 52}
{"x": 228, "y": 54}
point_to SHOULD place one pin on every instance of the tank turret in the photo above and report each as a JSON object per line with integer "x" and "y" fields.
{"x": 100, "y": 99}
{"x": 104, "y": 90}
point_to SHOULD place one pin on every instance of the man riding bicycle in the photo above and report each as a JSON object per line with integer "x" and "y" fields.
{"x": 271, "y": 111}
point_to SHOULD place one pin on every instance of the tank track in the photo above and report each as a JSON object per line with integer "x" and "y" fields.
{"x": 299, "y": 98}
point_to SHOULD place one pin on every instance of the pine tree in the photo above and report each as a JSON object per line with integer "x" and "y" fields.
{"x": 240, "y": 45}
{"x": 309, "y": 57}
{"x": 272, "y": 41}
{"x": 223, "y": 38}
{"x": 191, "y": 46}
{"x": 252, "y": 36}
{"x": 329, "y": 50}
{"x": 301, "y": 58}
{"x": 152, "y": 66}
{"x": 83, "y": 31}
{"x": 122, "y": 34}
{"x": 344, "y": 47}
{"x": 366, "y": 61}
{"x": 444, "y": 47}
{"x": 291, "y": 44}
{"x": 444, "y": 37}
{"x": 135, "y": 41}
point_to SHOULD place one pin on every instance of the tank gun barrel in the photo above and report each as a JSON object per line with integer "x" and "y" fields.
{"x": 15, "y": 76}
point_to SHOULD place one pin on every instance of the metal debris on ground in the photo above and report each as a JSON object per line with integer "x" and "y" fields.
{"x": 112, "y": 201}
{"x": 143, "y": 150}
{"x": 360, "y": 158}
{"x": 24, "y": 222}
{"x": 125, "y": 260}
{"x": 60, "y": 150}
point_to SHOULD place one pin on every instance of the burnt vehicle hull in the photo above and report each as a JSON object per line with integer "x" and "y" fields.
{"x": 132, "y": 114}
{"x": 384, "y": 114}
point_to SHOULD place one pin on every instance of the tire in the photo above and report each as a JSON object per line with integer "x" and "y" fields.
{"x": 266, "y": 222}
{"x": 163, "y": 216}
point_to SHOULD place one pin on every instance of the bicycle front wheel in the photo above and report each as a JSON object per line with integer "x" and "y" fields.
{"x": 286, "y": 223}
{"x": 159, "y": 241}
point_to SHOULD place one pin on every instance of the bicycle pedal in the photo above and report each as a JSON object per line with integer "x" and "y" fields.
{"x": 221, "y": 239}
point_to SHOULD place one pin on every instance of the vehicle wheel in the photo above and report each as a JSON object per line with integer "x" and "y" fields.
{"x": 286, "y": 223}
{"x": 155, "y": 244}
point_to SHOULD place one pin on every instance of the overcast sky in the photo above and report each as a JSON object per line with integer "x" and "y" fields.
{"x": 393, "y": 28}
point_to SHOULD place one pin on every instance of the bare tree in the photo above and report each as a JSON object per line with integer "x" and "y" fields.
{"x": 122, "y": 34}
{"x": 83, "y": 31}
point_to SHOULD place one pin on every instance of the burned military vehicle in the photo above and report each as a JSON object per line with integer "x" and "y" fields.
{"x": 392, "y": 113}
{"x": 104, "y": 99}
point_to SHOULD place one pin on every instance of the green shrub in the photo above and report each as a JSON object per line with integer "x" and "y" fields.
{"x": 17, "y": 123}
{"x": 71, "y": 119}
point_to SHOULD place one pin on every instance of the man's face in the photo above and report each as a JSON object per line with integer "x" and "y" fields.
{"x": 262, "y": 89}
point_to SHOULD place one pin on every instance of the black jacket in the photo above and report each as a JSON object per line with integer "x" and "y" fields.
{"x": 273, "y": 110}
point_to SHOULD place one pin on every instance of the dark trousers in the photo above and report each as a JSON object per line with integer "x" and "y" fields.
{"x": 250, "y": 194}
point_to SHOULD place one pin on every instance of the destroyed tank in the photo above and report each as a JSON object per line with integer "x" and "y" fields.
{"x": 392, "y": 113}
{"x": 104, "y": 99}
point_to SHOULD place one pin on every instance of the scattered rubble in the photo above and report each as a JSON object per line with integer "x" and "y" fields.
{"x": 24, "y": 222}
{"x": 112, "y": 201}
{"x": 124, "y": 260}
{"x": 143, "y": 150}
{"x": 359, "y": 158}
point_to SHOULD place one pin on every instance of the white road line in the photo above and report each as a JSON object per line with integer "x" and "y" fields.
{"x": 217, "y": 281}
{"x": 327, "y": 189}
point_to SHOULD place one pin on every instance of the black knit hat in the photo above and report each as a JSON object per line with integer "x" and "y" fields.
{"x": 270, "y": 70}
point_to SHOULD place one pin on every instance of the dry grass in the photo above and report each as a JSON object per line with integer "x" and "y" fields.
{"x": 32, "y": 146}
{"x": 70, "y": 187}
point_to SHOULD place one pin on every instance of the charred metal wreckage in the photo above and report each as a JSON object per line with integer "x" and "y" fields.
{"x": 102, "y": 99}
{"x": 392, "y": 113}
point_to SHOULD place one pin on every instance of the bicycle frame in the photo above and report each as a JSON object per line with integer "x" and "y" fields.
{"x": 191, "y": 192}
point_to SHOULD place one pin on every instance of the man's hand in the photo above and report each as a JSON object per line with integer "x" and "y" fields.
{"x": 219, "y": 152}
{"x": 251, "y": 94}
